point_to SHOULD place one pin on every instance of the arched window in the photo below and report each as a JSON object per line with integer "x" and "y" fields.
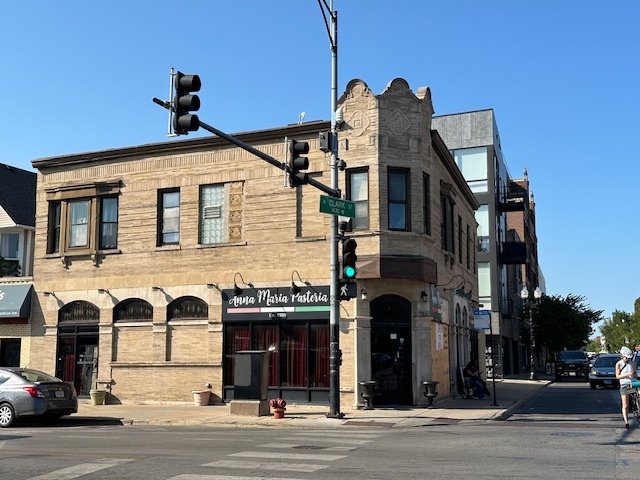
{"x": 458, "y": 317}
{"x": 185, "y": 308}
{"x": 133, "y": 310}
{"x": 79, "y": 311}
{"x": 465, "y": 317}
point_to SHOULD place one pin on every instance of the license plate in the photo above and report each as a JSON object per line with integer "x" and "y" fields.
{"x": 607, "y": 382}
{"x": 59, "y": 394}
{"x": 572, "y": 374}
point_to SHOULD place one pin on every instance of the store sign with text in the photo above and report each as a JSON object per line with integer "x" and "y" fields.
{"x": 276, "y": 304}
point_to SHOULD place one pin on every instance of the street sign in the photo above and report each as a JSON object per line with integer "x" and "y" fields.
{"x": 481, "y": 319}
{"x": 348, "y": 290}
{"x": 337, "y": 206}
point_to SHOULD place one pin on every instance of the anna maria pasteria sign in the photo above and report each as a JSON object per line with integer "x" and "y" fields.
{"x": 310, "y": 303}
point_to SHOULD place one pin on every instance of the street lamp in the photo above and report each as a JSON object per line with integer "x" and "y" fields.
{"x": 524, "y": 294}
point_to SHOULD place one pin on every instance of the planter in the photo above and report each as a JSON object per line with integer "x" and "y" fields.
{"x": 278, "y": 412}
{"x": 97, "y": 396}
{"x": 201, "y": 397}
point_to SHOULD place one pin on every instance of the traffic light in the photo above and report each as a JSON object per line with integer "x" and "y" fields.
{"x": 349, "y": 258}
{"x": 184, "y": 102}
{"x": 297, "y": 163}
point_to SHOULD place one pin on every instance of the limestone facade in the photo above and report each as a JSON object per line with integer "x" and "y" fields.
{"x": 141, "y": 302}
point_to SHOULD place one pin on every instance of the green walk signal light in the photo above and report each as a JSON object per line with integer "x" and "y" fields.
{"x": 184, "y": 102}
{"x": 297, "y": 163}
{"x": 349, "y": 258}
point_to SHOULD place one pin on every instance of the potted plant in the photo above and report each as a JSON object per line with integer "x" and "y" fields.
{"x": 278, "y": 405}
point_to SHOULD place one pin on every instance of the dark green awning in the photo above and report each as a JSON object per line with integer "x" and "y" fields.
{"x": 15, "y": 300}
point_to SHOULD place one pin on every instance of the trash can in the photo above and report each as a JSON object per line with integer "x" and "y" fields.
{"x": 250, "y": 375}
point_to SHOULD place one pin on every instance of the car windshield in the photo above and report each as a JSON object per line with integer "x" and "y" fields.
{"x": 573, "y": 355}
{"x": 36, "y": 376}
{"x": 606, "y": 361}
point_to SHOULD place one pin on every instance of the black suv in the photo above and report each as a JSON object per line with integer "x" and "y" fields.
{"x": 572, "y": 363}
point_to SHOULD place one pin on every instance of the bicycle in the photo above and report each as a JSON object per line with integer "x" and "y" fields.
{"x": 382, "y": 383}
{"x": 634, "y": 401}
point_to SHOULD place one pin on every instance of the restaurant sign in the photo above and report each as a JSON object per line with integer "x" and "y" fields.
{"x": 276, "y": 304}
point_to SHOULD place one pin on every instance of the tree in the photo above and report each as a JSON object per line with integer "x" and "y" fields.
{"x": 561, "y": 323}
{"x": 622, "y": 329}
{"x": 9, "y": 268}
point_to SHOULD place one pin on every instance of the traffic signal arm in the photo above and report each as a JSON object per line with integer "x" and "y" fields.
{"x": 282, "y": 166}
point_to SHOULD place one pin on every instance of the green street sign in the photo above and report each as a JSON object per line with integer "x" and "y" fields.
{"x": 337, "y": 206}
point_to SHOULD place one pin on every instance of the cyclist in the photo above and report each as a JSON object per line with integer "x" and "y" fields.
{"x": 625, "y": 372}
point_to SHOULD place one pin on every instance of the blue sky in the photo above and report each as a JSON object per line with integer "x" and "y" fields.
{"x": 563, "y": 78}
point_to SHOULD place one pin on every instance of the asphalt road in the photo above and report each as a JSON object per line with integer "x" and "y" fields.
{"x": 566, "y": 431}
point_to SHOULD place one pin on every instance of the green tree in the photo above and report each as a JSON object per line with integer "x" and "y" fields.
{"x": 622, "y": 329}
{"x": 9, "y": 268}
{"x": 561, "y": 323}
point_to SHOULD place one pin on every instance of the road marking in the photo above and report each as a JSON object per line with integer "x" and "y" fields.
{"x": 190, "y": 476}
{"x": 315, "y": 439}
{"x": 285, "y": 467}
{"x": 76, "y": 471}
{"x": 290, "y": 456}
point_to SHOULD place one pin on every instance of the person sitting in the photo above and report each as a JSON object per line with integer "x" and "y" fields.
{"x": 472, "y": 377}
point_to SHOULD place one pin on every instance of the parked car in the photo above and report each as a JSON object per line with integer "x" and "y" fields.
{"x": 603, "y": 371}
{"x": 572, "y": 363}
{"x": 25, "y": 392}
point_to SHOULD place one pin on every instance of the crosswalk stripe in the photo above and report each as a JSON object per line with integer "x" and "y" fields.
{"x": 290, "y": 456}
{"x": 191, "y": 476}
{"x": 286, "y": 467}
{"x": 297, "y": 445}
{"x": 357, "y": 434}
{"x": 76, "y": 471}
{"x": 354, "y": 441}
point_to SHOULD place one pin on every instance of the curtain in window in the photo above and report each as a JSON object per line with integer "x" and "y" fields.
{"x": 266, "y": 338}
{"x": 237, "y": 338}
{"x": 319, "y": 356}
{"x": 79, "y": 221}
{"x": 294, "y": 348}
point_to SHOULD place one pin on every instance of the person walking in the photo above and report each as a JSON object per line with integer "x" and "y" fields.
{"x": 625, "y": 372}
{"x": 636, "y": 355}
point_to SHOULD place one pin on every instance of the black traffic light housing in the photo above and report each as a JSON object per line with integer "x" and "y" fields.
{"x": 184, "y": 102}
{"x": 297, "y": 163}
{"x": 349, "y": 257}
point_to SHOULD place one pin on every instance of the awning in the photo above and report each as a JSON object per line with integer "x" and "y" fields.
{"x": 15, "y": 300}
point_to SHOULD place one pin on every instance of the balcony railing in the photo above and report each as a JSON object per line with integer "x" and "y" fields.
{"x": 512, "y": 198}
{"x": 513, "y": 253}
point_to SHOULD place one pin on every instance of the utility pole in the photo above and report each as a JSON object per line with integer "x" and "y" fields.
{"x": 334, "y": 317}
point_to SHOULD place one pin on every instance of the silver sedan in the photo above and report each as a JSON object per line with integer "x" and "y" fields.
{"x": 25, "y": 392}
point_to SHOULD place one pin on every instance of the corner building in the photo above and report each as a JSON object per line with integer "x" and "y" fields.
{"x": 155, "y": 264}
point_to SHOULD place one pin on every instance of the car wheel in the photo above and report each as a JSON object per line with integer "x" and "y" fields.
{"x": 7, "y": 415}
{"x": 592, "y": 385}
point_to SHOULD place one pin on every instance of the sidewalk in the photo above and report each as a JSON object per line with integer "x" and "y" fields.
{"x": 510, "y": 393}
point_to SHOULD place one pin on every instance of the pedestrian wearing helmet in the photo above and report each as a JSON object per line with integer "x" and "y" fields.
{"x": 625, "y": 372}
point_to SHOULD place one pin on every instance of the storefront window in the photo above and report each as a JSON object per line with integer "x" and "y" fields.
{"x": 298, "y": 352}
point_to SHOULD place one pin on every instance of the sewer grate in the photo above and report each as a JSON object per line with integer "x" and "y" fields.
{"x": 309, "y": 447}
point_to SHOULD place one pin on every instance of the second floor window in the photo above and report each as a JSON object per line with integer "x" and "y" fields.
{"x": 398, "y": 182}
{"x": 83, "y": 219}
{"x": 358, "y": 192}
{"x": 9, "y": 245}
{"x": 426, "y": 203}
{"x": 169, "y": 217}
{"x": 108, "y": 223}
{"x": 79, "y": 222}
{"x": 447, "y": 225}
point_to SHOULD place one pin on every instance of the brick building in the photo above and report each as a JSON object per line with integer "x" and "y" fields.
{"x": 155, "y": 264}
